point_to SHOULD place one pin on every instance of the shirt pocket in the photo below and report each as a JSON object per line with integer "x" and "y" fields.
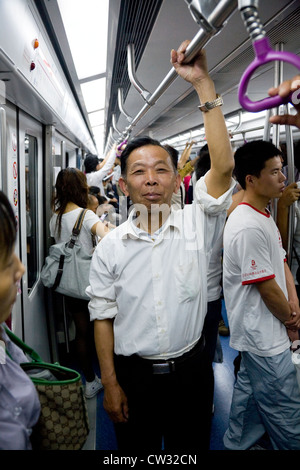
{"x": 187, "y": 280}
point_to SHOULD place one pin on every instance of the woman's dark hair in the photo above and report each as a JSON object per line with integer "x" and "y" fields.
{"x": 71, "y": 186}
{"x": 250, "y": 159}
{"x": 137, "y": 143}
{"x": 8, "y": 227}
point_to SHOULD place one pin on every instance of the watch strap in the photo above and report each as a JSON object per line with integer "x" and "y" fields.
{"x": 211, "y": 104}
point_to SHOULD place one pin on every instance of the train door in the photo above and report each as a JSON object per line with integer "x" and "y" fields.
{"x": 32, "y": 232}
{"x": 10, "y": 186}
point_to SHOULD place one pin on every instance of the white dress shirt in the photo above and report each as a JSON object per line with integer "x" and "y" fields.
{"x": 155, "y": 287}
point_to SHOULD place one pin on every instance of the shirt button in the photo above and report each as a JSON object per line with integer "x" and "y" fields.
{"x": 17, "y": 410}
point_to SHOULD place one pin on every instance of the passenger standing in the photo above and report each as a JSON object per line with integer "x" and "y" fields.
{"x": 19, "y": 401}
{"x": 148, "y": 288}
{"x": 95, "y": 170}
{"x": 261, "y": 303}
{"x": 214, "y": 274}
{"x": 290, "y": 196}
{"x": 70, "y": 198}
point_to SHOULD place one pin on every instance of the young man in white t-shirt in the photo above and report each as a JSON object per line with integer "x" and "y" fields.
{"x": 262, "y": 307}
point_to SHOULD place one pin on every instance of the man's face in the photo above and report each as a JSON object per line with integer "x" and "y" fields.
{"x": 150, "y": 177}
{"x": 270, "y": 183}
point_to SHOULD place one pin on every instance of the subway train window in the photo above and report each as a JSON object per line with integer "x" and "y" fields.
{"x": 31, "y": 177}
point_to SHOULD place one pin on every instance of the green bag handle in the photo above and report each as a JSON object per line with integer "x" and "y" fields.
{"x": 36, "y": 360}
{"x": 25, "y": 348}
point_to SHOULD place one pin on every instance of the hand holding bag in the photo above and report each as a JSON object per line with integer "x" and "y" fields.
{"x": 66, "y": 269}
{"x": 63, "y": 422}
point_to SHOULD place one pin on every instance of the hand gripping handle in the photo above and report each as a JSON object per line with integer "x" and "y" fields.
{"x": 264, "y": 54}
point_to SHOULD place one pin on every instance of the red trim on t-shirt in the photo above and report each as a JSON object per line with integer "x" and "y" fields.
{"x": 261, "y": 279}
{"x": 262, "y": 213}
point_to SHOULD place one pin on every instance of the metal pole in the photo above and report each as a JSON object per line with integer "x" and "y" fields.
{"x": 218, "y": 16}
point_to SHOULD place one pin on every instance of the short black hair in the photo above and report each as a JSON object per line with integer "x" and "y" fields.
{"x": 90, "y": 163}
{"x": 250, "y": 159}
{"x": 203, "y": 164}
{"x": 137, "y": 143}
{"x": 173, "y": 153}
{"x": 94, "y": 190}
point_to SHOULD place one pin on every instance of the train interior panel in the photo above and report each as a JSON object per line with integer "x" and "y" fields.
{"x": 47, "y": 124}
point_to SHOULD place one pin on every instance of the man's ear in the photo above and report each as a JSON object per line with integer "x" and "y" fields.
{"x": 177, "y": 183}
{"x": 123, "y": 186}
{"x": 249, "y": 179}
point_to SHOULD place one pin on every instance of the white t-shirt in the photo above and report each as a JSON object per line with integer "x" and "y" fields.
{"x": 252, "y": 253}
{"x": 155, "y": 287}
{"x": 67, "y": 223}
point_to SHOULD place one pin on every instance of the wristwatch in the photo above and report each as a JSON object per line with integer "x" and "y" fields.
{"x": 211, "y": 104}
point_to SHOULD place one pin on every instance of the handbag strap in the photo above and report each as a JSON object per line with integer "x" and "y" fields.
{"x": 25, "y": 348}
{"x": 77, "y": 228}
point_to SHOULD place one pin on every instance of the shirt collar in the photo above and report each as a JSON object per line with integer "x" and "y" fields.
{"x": 131, "y": 230}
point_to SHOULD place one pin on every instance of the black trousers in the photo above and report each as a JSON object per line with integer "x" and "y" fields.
{"x": 170, "y": 411}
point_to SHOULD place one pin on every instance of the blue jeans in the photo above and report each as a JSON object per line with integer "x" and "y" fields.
{"x": 266, "y": 397}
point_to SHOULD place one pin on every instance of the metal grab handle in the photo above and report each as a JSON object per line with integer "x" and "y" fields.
{"x": 264, "y": 54}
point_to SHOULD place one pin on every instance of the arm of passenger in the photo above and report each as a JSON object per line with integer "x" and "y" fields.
{"x": 107, "y": 156}
{"x": 276, "y": 302}
{"x": 115, "y": 400}
{"x": 188, "y": 167}
{"x": 109, "y": 161}
{"x": 284, "y": 89}
{"x": 218, "y": 179}
{"x": 101, "y": 229}
{"x": 290, "y": 194}
{"x": 185, "y": 154}
{"x": 293, "y": 301}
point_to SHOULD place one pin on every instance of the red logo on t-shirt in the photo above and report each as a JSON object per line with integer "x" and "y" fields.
{"x": 253, "y": 264}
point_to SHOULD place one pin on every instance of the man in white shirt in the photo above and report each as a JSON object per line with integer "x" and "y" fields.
{"x": 262, "y": 308}
{"x": 148, "y": 288}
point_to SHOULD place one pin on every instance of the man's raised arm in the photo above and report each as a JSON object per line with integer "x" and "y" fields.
{"x": 222, "y": 162}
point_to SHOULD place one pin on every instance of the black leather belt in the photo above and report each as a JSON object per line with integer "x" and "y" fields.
{"x": 159, "y": 366}
{"x": 164, "y": 367}
{"x": 170, "y": 365}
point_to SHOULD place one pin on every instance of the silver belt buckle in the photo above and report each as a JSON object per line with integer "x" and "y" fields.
{"x": 163, "y": 368}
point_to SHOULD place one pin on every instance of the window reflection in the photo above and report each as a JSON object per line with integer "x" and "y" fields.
{"x": 31, "y": 172}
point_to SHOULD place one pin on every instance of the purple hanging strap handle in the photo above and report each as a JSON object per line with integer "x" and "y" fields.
{"x": 264, "y": 54}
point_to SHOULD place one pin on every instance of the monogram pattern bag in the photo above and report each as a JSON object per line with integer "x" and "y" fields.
{"x": 63, "y": 422}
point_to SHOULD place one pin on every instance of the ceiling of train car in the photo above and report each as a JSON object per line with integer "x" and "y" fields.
{"x": 155, "y": 28}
